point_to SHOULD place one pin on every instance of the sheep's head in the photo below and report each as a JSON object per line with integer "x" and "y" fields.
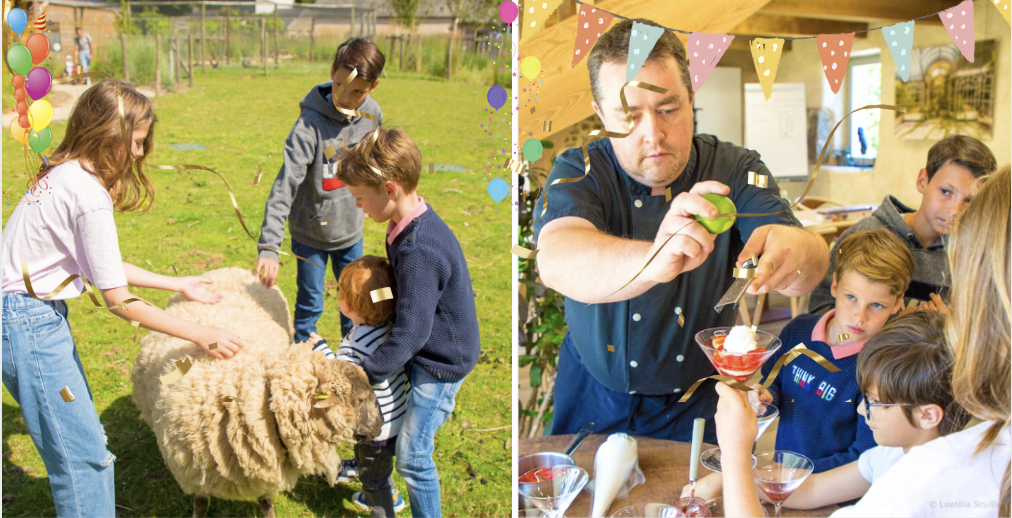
{"x": 345, "y": 393}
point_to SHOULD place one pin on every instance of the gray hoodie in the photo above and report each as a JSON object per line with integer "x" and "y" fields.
{"x": 306, "y": 191}
{"x": 931, "y": 264}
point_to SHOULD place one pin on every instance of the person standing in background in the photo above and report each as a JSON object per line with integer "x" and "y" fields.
{"x": 85, "y": 47}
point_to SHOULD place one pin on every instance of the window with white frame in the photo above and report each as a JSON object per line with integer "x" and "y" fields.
{"x": 864, "y": 88}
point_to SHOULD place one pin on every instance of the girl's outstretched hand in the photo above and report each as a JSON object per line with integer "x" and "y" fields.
{"x": 736, "y": 422}
{"x": 194, "y": 289}
{"x": 227, "y": 344}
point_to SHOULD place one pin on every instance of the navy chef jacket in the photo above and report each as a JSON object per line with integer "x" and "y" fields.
{"x": 652, "y": 354}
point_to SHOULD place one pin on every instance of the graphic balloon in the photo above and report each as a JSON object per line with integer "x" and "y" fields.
{"x": 496, "y": 97}
{"x": 20, "y": 134}
{"x": 20, "y": 94}
{"x": 40, "y": 113}
{"x": 498, "y": 189}
{"x": 508, "y": 11}
{"x": 39, "y": 82}
{"x": 40, "y": 140}
{"x": 38, "y": 45}
{"x": 17, "y": 20}
{"x": 19, "y": 58}
{"x": 530, "y": 67}
{"x": 533, "y": 149}
{"x": 18, "y": 81}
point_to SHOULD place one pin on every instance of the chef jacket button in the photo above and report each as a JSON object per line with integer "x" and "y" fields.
{"x": 638, "y": 203}
{"x": 679, "y": 357}
{"x": 633, "y": 364}
{"x": 637, "y": 317}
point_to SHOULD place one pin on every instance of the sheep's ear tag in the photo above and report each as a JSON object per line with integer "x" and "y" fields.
{"x": 325, "y": 401}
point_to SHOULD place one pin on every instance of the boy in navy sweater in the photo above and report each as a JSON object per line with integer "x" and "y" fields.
{"x": 435, "y": 330}
{"x": 818, "y": 408}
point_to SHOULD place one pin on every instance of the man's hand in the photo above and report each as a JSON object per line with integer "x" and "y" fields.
{"x": 692, "y": 243}
{"x": 267, "y": 270}
{"x": 194, "y": 289}
{"x": 783, "y": 251}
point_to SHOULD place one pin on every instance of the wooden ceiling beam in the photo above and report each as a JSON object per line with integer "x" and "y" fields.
{"x": 861, "y": 10}
{"x": 782, "y": 25}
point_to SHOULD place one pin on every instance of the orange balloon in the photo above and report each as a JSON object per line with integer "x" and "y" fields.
{"x": 38, "y": 45}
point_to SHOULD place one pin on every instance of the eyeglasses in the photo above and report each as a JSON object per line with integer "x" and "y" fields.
{"x": 869, "y": 404}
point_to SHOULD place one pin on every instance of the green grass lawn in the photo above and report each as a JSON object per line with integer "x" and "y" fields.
{"x": 243, "y": 119}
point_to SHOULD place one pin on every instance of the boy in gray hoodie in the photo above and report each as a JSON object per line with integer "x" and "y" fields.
{"x": 323, "y": 220}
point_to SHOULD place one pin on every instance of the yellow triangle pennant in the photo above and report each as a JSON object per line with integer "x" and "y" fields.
{"x": 766, "y": 57}
{"x": 536, "y": 13}
{"x": 1003, "y": 7}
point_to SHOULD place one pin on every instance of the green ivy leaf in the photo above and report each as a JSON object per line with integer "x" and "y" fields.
{"x": 536, "y": 376}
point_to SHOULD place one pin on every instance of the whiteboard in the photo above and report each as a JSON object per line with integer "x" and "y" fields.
{"x": 719, "y": 105}
{"x": 777, "y": 128}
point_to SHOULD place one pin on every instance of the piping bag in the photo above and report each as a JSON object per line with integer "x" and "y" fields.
{"x": 616, "y": 471}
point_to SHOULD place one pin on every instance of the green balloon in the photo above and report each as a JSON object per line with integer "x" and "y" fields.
{"x": 533, "y": 149}
{"x": 40, "y": 140}
{"x": 20, "y": 59}
{"x": 724, "y": 206}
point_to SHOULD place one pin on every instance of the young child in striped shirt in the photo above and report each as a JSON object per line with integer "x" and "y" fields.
{"x": 372, "y": 323}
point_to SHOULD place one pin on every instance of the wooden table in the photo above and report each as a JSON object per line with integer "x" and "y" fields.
{"x": 664, "y": 463}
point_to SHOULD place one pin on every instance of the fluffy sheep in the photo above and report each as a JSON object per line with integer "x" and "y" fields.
{"x": 289, "y": 408}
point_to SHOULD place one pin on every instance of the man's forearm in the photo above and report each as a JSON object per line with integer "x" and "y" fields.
{"x": 587, "y": 265}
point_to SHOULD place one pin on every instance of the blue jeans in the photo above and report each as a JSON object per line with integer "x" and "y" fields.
{"x": 309, "y": 300}
{"x": 39, "y": 360}
{"x": 85, "y": 59}
{"x": 431, "y": 403}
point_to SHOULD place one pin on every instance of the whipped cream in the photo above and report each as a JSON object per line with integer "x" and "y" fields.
{"x": 740, "y": 340}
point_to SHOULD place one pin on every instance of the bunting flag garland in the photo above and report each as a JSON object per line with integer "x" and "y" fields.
{"x": 537, "y": 12}
{"x": 958, "y": 21}
{"x": 900, "y": 40}
{"x": 1003, "y": 7}
{"x": 834, "y": 49}
{"x": 590, "y": 25}
{"x": 641, "y": 42}
{"x": 705, "y": 50}
{"x": 766, "y": 57}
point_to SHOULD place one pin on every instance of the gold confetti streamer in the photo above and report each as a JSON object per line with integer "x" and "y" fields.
{"x": 546, "y": 126}
{"x": 230, "y": 399}
{"x": 182, "y": 367}
{"x": 745, "y": 273}
{"x": 523, "y": 253}
{"x": 798, "y": 350}
{"x": 67, "y": 396}
{"x": 213, "y": 346}
{"x": 811, "y": 181}
{"x": 88, "y": 288}
{"x": 260, "y": 172}
{"x": 381, "y": 294}
{"x": 843, "y": 337}
{"x": 757, "y": 179}
{"x": 432, "y": 168}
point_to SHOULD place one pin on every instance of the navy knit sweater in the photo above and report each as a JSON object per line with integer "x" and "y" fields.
{"x": 818, "y": 408}
{"x": 436, "y": 323}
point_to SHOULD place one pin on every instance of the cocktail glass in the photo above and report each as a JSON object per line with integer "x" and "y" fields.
{"x": 739, "y": 367}
{"x": 695, "y": 507}
{"x": 778, "y": 473}
{"x": 649, "y": 511}
{"x": 555, "y": 489}
{"x": 764, "y": 415}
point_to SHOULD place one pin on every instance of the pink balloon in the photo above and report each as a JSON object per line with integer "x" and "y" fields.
{"x": 39, "y": 83}
{"x": 508, "y": 11}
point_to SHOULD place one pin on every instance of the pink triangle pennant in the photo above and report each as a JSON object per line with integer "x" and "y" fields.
{"x": 591, "y": 23}
{"x": 705, "y": 50}
{"x": 834, "y": 49}
{"x": 959, "y": 22}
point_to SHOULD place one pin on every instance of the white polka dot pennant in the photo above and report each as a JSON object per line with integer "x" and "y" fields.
{"x": 834, "y": 49}
{"x": 591, "y": 23}
{"x": 900, "y": 41}
{"x": 959, "y": 22}
{"x": 641, "y": 42}
{"x": 705, "y": 50}
{"x": 766, "y": 54}
{"x": 1003, "y": 7}
{"x": 536, "y": 12}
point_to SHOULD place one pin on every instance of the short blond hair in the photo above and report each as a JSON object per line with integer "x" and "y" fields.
{"x": 394, "y": 154}
{"x": 358, "y": 280}
{"x": 878, "y": 255}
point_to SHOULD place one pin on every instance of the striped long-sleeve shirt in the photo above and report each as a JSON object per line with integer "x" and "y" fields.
{"x": 392, "y": 392}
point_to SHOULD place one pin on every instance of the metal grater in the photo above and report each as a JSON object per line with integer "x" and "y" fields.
{"x": 736, "y": 291}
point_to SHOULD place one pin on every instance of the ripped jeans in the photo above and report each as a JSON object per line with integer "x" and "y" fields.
{"x": 39, "y": 360}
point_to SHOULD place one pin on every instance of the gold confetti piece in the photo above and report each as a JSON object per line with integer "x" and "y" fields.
{"x": 744, "y": 273}
{"x": 848, "y": 401}
{"x": 87, "y": 287}
{"x": 67, "y": 396}
{"x": 843, "y": 337}
{"x": 757, "y": 179}
{"x": 546, "y": 126}
{"x": 533, "y": 109}
{"x": 381, "y": 294}
{"x": 681, "y": 320}
{"x": 213, "y": 346}
{"x": 801, "y": 275}
{"x": 755, "y": 260}
{"x": 230, "y": 399}
{"x": 135, "y": 323}
{"x": 667, "y": 194}
{"x": 523, "y": 253}
{"x": 260, "y": 172}
{"x": 322, "y": 223}
{"x": 432, "y": 168}
{"x": 469, "y": 209}
{"x": 174, "y": 272}
{"x": 182, "y": 367}
{"x": 798, "y": 350}
{"x": 329, "y": 152}
{"x": 611, "y": 348}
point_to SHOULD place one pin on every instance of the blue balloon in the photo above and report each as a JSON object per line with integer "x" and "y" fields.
{"x": 17, "y": 20}
{"x": 498, "y": 189}
{"x": 496, "y": 97}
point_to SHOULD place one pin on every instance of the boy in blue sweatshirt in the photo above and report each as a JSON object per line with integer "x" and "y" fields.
{"x": 819, "y": 409}
{"x": 435, "y": 331}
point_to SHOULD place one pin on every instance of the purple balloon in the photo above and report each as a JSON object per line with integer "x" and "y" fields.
{"x": 39, "y": 83}
{"x": 508, "y": 11}
{"x": 496, "y": 97}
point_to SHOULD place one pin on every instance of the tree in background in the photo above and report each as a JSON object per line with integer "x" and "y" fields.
{"x": 466, "y": 11}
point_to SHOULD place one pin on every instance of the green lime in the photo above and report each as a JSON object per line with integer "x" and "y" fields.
{"x": 724, "y": 206}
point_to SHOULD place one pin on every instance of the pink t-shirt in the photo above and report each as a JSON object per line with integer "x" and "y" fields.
{"x": 64, "y": 229}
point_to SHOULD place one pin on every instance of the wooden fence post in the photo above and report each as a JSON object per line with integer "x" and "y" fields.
{"x": 312, "y": 37}
{"x": 126, "y": 61}
{"x": 228, "y": 30}
{"x": 277, "y": 52}
{"x": 352, "y": 22}
{"x": 263, "y": 42}
{"x": 158, "y": 63}
{"x": 189, "y": 70}
{"x": 203, "y": 33}
{"x": 179, "y": 59}
{"x": 172, "y": 68}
